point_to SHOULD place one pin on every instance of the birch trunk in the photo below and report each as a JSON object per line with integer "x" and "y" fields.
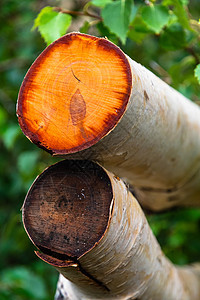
{"x": 109, "y": 250}
{"x": 84, "y": 93}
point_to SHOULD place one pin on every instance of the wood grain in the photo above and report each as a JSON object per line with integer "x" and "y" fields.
{"x": 67, "y": 209}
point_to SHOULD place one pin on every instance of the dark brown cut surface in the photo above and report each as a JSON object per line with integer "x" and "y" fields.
{"x": 66, "y": 211}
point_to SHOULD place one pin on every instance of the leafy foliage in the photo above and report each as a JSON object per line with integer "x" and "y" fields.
{"x": 52, "y": 24}
{"x": 20, "y": 161}
{"x": 169, "y": 46}
{"x": 116, "y": 16}
{"x": 165, "y": 24}
{"x": 155, "y": 17}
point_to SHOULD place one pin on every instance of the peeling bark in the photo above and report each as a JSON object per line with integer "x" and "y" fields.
{"x": 122, "y": 259}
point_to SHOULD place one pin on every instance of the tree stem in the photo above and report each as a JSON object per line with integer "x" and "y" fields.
{"x": 77, "y": 13}
{"x": 92, "y": 230}
{"x": 84, "y": 97}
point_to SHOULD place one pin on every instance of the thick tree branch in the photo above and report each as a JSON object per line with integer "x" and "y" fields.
{"x": 93, "y": 231}
{"x": 84, "y": 93}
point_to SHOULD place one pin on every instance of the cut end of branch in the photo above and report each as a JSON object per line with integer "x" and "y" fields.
{"x": 74, "y": 93}
{"x": 67, "y": 210}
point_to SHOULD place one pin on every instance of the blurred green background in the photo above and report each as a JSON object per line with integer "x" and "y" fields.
{"x": 22, "y": 274}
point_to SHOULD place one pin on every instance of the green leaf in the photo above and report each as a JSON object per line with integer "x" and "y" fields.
{"x": 155, "y": 17}
{"x": 173, "y": 37}
{"x": 197, "y": 73}
{"x": 180, "y": 11}
{"x": 104, "y": 31}
{"x": 181, "y": 14}
{"x": 100, "y": 3}
{"x": 116, "y": 16}
{"x": 134, "y": 10}
{"x": 51, "y": 24}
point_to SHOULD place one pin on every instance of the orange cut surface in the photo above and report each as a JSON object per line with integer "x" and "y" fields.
{"x": 74, "y": 93}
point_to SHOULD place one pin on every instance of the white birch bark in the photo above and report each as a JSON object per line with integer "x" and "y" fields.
{"x": 128, "y": 261}
{"x": 155, "y": 146}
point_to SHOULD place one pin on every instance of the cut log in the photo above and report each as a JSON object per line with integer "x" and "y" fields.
{"x": 92, "y": 230}
{"x": 84, "y": 93}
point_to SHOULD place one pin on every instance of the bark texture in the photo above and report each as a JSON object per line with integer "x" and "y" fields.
{"x": 124, "y": 262}
{"x": 96, "y": 98}
{"x": 155, "y": 146}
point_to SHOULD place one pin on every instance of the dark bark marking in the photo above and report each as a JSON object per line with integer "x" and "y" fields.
{"x": 146, "y": 97}
{"x": 92, "y": 277}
